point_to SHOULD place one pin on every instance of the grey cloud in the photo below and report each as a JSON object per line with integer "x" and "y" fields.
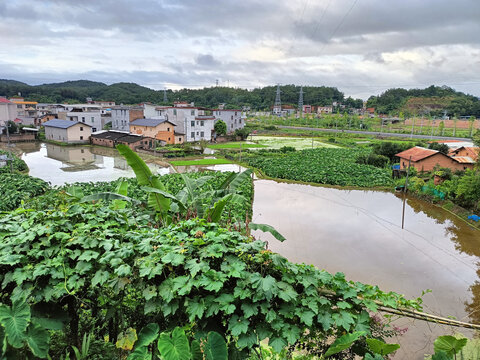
{"x": 206, "y": 60}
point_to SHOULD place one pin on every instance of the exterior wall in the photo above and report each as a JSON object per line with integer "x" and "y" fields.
{"x": 149, "y": 111}
{"x": 467, "y": 152}
{"x": 102, "y": 142}
{"x": 199, "y": 129}
{"x": 181, "y": 116}
{"x": 233, "y": 119}
{"x": 132, "y": 145}
{"x": 121, "y": 119}
{"x": 25, "y": 108}
{"x": 179, "y": 139}
{"x": 428, "y": 164}
{"x": 92, "y": 118}
{"x": 75, "y": 134}
{"x": 17, "y": 138}
{"x": 7, "y": 112}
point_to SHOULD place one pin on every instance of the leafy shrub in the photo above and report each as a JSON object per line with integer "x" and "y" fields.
{"x": 443, "y": 148}
{"x": 18, "y": 164}
{"x": 379, "y": 161}
{"x": 125, "y": 273}
{"x": 285, "y": 149}
{"x": 389, "y": 149}
{"x": 17, "y": 187}
{"x": 270, "y": 127}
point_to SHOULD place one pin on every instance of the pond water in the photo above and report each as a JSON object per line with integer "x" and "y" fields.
{"x": 359, "y": 233}
{"x": 67, "y": 164}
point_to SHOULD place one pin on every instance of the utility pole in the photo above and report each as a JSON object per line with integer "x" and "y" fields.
{"x": 300, "y": 102}
{"x": 405, "y": 192}
{"x": 277, "y": 107}
{"x": 165, "y": 100}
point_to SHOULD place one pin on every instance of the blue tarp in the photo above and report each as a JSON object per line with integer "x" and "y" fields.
{"x": 474, "y": 218}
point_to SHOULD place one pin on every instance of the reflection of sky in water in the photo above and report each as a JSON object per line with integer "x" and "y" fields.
{"x": 71, "y": 165}
{"x": 359, "y": 233}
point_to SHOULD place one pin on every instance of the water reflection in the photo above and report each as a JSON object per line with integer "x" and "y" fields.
{"x": 66, "y": 164}
{"x": 359, "y": 233}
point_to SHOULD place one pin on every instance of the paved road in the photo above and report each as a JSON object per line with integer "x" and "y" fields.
{"x": 376, "y": 133}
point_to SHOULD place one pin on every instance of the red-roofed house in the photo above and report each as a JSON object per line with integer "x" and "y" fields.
{"x": 423, "y": 159}
{"x": 471, "y": 152}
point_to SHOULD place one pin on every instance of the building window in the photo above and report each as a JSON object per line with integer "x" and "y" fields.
{"x": 174, "y": 111}
{"x": 94, "y": 129}
{"x": 192, "y": 123}
{"x": 235, "y": 113}
{"x": 81, "y": 137}
{"x": 81, "y": 128}
{"x": 168, "y": 129}
{"x": 197, "y": 132}
{"x": 19, "y": 106}
{"x": 168, "y": 139}
{"x": 192, "y": 112}
{"x": 202, "y": 134}
{"x": 239, "y": 121}
{"x": 192, "y": 135}
{"x": 83, "y": 118}
{"x": 202, "y": 123}
{"x": 231, "y": 118}
{"x": 93, "y": 119}
{"x": 197, "y": 122}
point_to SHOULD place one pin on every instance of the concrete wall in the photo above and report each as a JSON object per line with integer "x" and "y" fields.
{"x": 75, "y": 134}
{"x": 92, "y": 118}
{"x": 7, "y": 112}
{"x": 233, "y": 119}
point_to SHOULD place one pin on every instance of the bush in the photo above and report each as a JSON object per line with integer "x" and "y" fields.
{"x": 389, "y": 149}
{"x": 270, "y": 127}
{"x": 285, "y": 149}
{"x": 379, "y": 161}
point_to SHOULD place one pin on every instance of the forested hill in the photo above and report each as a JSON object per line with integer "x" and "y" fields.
{"x": 433, "y": 100}
{"x": 130, "y": 93}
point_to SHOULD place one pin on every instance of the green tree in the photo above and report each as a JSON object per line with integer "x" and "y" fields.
{"x": 220, "y": 127}
{"x": 441, "y": 128}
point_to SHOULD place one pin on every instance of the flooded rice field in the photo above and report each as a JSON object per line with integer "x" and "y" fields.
{"x": 359, "y": 233}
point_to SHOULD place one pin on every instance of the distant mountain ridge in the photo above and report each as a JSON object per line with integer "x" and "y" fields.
{"x": 433, "y": 100}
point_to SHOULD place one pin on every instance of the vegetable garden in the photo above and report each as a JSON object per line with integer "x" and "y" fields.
{"x": 322, "y": 166}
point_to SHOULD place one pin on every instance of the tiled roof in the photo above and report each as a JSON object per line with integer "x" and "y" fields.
{"x": 417, "y": 153}
{"x": 109, "y": 135}
{"x": 464, "y": 159}
{"x": 130, "y": 138}
{"x": 62, "y": 124}
{"x": 149, "y": 122}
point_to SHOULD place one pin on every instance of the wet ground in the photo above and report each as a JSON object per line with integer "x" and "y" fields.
{"x": 359, "y": 233}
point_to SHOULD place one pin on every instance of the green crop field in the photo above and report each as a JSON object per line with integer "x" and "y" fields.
{"x": 277, "y": 142}
{"x": 322, "y": 166}
{"x": 235, "y": 145}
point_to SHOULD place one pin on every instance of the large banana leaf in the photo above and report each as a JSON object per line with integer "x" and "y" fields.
{"x": 234, "y": 180}
{"x": 145, "y": 178}
{"x": 214, "y": 214}
{"x": 106, "y": 196}
{"x": 267, "y": 228}
{"x": 122, "y": 188}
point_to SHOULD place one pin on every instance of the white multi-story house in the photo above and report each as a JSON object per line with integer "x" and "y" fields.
{"x": 233, "y": 118}
{"x": 8, "y": 111}
{"x": 194, "y": 122}
{"x": 123, "y": 115}
{"x": 92, "y": 118}
{"x": 149, "y": 110}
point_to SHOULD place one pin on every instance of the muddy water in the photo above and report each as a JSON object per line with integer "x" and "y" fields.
{"x": 67, "y": 164}
{"x": 359, "y": 233}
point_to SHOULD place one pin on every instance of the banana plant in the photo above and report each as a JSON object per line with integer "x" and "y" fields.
{"x": 157, "y": 201}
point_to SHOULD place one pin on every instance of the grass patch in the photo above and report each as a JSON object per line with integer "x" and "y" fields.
{"x": 235, "y": 145}
{"x": 277, "y": 142}
{"x": 200, "y": 162}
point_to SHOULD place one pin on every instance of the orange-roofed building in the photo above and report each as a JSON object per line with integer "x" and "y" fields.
{"x": 423, "y": 159}
{"x": 462, "y": 151}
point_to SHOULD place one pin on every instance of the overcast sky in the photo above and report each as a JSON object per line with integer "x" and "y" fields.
{"x": 362, "y": 47}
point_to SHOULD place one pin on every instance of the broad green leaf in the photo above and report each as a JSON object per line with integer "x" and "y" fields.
{"x": 343, "y": 342}
{"x": 449, "y": 344}
{"x": 37, "y": 339}
{"x": 174, "y": 346}
{"x": 126, "y": 339}
{"x": 122, "y": 188}
{"x": 440, "y": 355}
{"x": 277, "y": 343}
{"x": 216, "y": 347}
{"x": 173, "y": 258}
{"x": 267, "y": 228}
{"x": 108, "y": 196}
{"x": 15, "y": 321}
{"x": 379, "y": 347}
{"x": 235, "y": 180}
{"x": 147, "y": 335}
{"x": 100, "y": 277}
{"x": 140, "y": 353}
{"x": 343, "y": 319}
{"x": 238, "y": 325}
{"x": 123, "y": 270}
{"x": 197, "y": 353}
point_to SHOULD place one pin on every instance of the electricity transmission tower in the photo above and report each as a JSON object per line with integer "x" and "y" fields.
{"x": 277, "y": 107}
{"x": 165, "y": 100}
{"x": 300, "y": 102}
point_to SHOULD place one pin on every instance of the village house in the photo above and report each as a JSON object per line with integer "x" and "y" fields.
{"x": 136, "y": 141}
{"x": 8, "y": 111}
{"x": 24, "y": 108}
{"x": 324, "y": 109}
{"x": 122, "y": 116}
{"x": 423, "y": 159}
{"x": 70, "y": 132}
{"x": 92, "y": 117}
{"x": 233, "y": 118}
{"x": 465, "y": 151}
{"x": 195, "y": 122}
{"x": 106, "y": 138}
{"x": 159, "y": 129}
